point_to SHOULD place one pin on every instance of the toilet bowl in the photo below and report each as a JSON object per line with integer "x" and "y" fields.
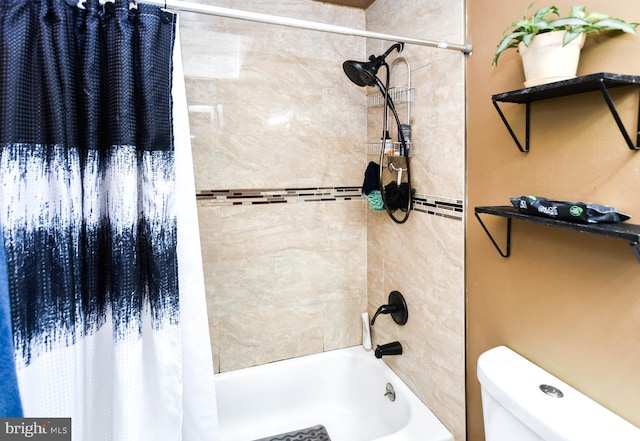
{"x": 522, "y": 402}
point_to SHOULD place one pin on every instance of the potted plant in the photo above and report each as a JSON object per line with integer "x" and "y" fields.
{"x": 558, "y": 40}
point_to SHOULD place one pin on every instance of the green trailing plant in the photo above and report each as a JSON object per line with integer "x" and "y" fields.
{"x": 548, "y": 19}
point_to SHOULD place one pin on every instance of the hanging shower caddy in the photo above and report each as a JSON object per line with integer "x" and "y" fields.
{"x": 401, "y": 95}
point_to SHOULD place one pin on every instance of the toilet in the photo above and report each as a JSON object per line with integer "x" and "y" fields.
{"x": 522, "y": 402}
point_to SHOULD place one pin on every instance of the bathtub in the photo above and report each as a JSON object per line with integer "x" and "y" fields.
{"x": 343, "y": 390}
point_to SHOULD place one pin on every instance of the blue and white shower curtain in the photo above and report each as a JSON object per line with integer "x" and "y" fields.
{"x": 98, "y": 214}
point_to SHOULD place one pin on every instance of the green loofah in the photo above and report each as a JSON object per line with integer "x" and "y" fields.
{"x": 375, "y": 200}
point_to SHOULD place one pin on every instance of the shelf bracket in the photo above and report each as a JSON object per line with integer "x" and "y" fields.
{"x": 600, "y": 84}
{"x": 636, "y": 249}
{"x": 507, "y": 253}
{"x": 511, "y": 132}
{"x": 614, "y": 112}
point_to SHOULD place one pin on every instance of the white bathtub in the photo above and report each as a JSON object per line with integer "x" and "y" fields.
{"x": 344, "y": 390}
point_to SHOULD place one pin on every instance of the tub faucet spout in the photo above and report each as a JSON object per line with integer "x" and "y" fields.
{"x": 393, "y": 348}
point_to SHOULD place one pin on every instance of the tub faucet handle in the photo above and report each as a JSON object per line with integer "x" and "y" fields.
{"x": 397, "y": 307}
{"x": 384, "y": 309}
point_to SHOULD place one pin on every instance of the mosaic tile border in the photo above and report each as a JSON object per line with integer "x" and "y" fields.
{"x": 278, "y": 195}
{"x": 438, "y": 206}
{"x": 434, "y": 205}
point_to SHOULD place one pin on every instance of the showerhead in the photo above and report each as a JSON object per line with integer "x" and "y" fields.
{"x": 364, "y": 73}
{"x": 361, "y": 73}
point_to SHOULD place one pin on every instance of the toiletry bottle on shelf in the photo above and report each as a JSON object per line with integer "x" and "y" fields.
{"x": 406, "y": 133}
{"x": 366, "y": 332}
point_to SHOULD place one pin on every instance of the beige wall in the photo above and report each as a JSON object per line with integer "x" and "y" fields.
{"x": 565, "y": 300}
{"x": 270, "y": 108}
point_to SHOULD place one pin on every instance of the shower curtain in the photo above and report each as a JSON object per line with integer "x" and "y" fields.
{"x": 98, "y": 214}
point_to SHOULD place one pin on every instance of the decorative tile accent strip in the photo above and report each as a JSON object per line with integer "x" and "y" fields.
{"x": 274, "y": 196}
{"x": 437, "y": 206}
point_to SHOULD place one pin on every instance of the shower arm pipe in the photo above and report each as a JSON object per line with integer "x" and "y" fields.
{"x": 301, "y": 24}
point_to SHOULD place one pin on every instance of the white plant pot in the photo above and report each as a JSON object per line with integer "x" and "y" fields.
{"x": 546, "y": 60}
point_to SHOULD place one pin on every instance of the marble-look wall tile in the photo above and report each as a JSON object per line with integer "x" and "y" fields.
{"x": 422, "y": 259}
{"x": 337, "y": 314}
{"x": 439, "y": 127}
{"x": 266, "y": 263}
{"x": 270, "y": 105}
{"x": 258, "y": 337}
{"x": 436, "y": 20}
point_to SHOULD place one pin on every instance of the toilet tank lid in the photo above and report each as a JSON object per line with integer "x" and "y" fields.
{"x": 515, "y": 383}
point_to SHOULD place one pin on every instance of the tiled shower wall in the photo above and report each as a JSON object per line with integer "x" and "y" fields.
{"x": 424, "y": 258}
{"x": 292, "y": 253}
{"x": 277, "y": 137}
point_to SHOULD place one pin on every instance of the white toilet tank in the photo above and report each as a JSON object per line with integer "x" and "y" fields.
{"x": 515, "y": 407}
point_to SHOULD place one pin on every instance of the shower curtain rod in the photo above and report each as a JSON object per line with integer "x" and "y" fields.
{"x": 301, "y": 24}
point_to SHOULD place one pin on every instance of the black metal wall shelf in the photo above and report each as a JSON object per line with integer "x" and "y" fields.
{"x": 625, "y": 231}
{"x": 589, "y": 83}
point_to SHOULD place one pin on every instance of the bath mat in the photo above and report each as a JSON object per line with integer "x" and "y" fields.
{"x": 315, "y": 433}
